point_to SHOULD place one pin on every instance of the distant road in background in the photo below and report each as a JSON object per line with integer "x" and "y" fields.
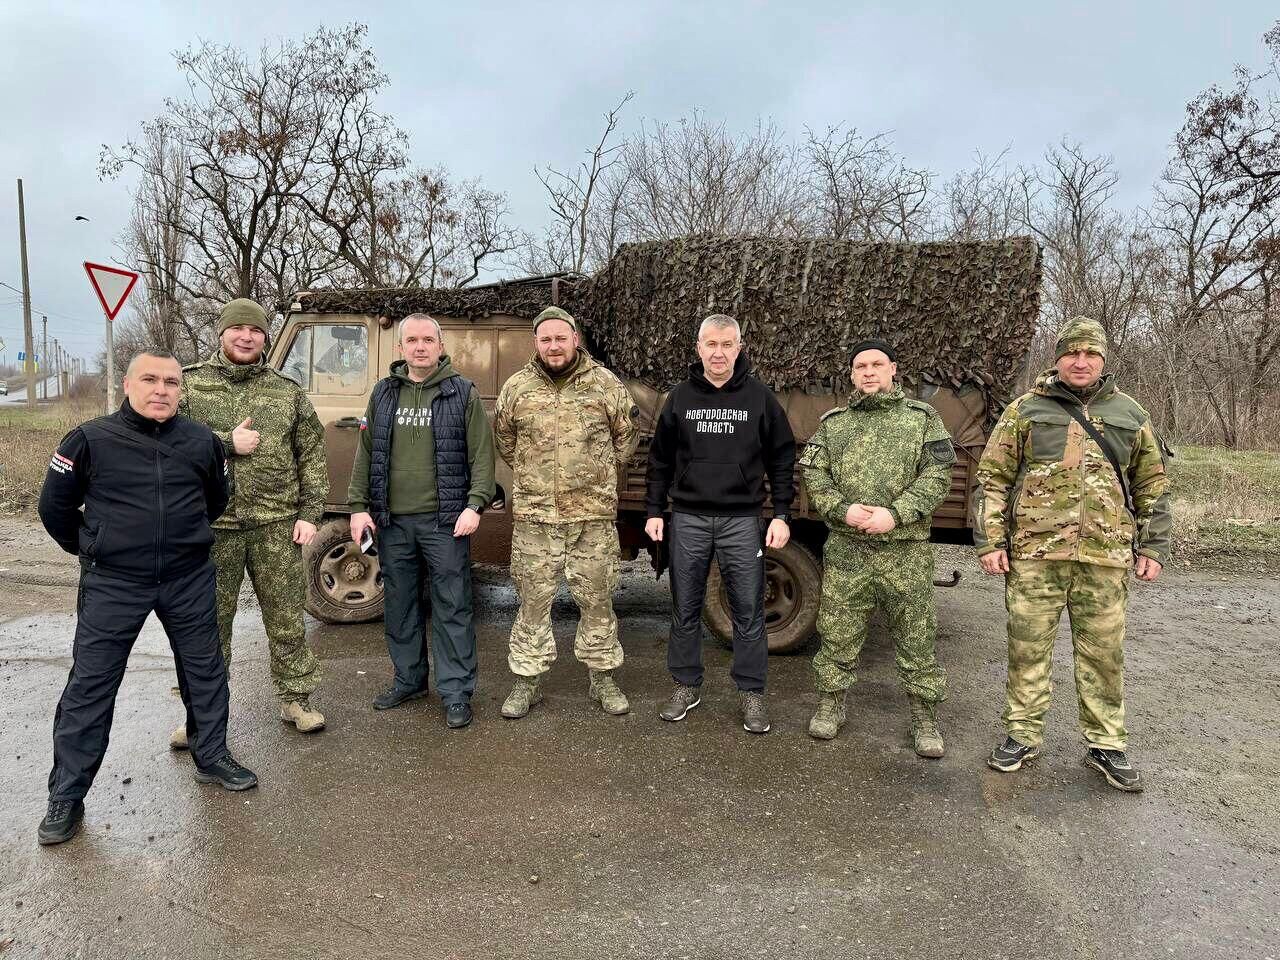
{"x": 20, "y": 395}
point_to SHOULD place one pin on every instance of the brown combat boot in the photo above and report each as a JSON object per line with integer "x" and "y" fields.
{"x": 301, "y": 715}
{"x": 524, "y": 694}
{"x": 606, "y": 692}
{"x": 829, "y": 717}
{"x": 925, "y": 734}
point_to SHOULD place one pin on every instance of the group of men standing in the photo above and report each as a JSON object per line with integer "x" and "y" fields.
{"x": 1073, "y": 487}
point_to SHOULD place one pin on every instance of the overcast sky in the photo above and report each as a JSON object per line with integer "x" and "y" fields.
{"x": 491, "y": 89}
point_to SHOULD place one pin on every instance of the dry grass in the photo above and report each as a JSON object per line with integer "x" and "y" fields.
{"x": 27, "y": 440}
{"x": 1226, "y": 507}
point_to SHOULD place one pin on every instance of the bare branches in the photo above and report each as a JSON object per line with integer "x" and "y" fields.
{"x": 859, "y": 190}
{"x": 572, "y": 197}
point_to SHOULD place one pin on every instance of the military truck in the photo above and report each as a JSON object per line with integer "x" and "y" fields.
{"x": 960, "y": 314}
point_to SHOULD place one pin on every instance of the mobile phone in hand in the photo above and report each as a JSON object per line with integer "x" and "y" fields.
{"x": 366, "y": 541}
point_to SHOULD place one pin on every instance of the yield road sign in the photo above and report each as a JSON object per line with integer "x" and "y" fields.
{"x": 111, "y": 284}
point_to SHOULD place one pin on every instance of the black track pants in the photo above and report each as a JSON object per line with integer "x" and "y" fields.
{"x": 737, "y": 545}
{"x": 111, "y": 612}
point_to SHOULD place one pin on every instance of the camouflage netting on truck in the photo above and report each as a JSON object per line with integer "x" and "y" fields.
{"x": 958, "y": 313}
{"x": 519, "y": 298}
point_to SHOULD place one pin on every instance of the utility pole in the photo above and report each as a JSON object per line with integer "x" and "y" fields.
{"x": 56, "y": 371}
{"x": 30, "y": 347}
{"x": 44, "y": 354}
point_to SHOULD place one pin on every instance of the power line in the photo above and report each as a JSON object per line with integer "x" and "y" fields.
{"x": 51, "y": 313}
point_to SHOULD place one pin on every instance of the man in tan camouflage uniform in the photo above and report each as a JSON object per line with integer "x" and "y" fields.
{"x": 1063, "y": 526}
{"x": 876, "y": 469}
{"x": 566, "y": 425}
{"x": 275, "y": 449}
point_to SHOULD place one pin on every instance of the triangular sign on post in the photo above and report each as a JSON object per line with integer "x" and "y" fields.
{"x": 111, "y": 284}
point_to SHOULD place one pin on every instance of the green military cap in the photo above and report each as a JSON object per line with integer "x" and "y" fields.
{"x": 243, "y": 312}
{"x": 1081, "y": 333}
{"x": 554, "y": 313}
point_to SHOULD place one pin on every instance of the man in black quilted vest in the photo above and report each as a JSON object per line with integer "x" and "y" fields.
{"x": 423, "y": 474}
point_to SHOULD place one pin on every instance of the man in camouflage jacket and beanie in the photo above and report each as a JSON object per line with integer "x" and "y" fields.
{"x": 876, "y": 470}
{"x": 274, "y": 445}
{"x": 566, "y": 425}
{"x": 1064, "y": 527}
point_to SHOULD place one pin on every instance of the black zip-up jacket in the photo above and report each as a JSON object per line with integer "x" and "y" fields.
{"x": 149, "y": 490}
{"x": 713, "y": 447}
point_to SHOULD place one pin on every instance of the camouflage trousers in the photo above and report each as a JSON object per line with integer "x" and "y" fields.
{"x": 1035, "y": 593}
{"x": 586, "y": 554}
{"x": 274, "y": 563}
{"x": 896, "y": 577}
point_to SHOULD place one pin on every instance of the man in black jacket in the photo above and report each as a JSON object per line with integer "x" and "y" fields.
{"x": 150, "y": 483}
{"x": 720, "y": 434}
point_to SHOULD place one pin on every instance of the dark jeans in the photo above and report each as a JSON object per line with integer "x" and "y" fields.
{"x": 418, "y": 549}
{"x": 737, "y": 544}
{"x": 111, "y": 612}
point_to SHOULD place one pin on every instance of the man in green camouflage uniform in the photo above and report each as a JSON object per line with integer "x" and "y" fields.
{"x": 566, "y": 425}
{"x": 275, "y": 450}
{"x": 1063, "y": 527}
{"x": 876, "y": 470}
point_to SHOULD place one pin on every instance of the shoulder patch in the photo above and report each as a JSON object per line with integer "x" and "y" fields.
{"x": 940, "y": 451}
{"x": 832, "y": 412}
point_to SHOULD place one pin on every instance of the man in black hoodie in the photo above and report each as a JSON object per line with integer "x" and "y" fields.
{"x": 720, "y": 434}
{"x": 150, "y": 483}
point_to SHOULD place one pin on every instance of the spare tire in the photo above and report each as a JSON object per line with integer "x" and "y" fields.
{"x": 792, "y": 589}
{"x": 343, "y": 584}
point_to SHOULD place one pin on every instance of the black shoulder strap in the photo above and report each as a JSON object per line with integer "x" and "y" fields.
{"x": 1078, "y": 416}
{"x": 140, "y": 440}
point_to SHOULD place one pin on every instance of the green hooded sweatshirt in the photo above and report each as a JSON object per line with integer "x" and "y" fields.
{"x": 411, "y": 480}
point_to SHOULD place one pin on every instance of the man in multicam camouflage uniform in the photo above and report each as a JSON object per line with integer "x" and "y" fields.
{"x": 275, "y": 448}
{"x": 566, "y": 425}
{"x": 1058, "y": 521}
{"x": 876, "y": 470}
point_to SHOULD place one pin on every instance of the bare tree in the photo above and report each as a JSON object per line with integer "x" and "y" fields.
{"x": 985, "y": 202}
{"x": 1219, "y": 245}
{"x": 257, "y": 134}
{"x": 695, "y": 177}
{"x": 861, "y": 190}
{"x": 1237, "y": 131}
{"x": 154, "y": 246}
{"x": 578, "y": 233}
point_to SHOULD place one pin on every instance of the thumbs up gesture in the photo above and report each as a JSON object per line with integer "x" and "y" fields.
{"x": 245, "y": 439}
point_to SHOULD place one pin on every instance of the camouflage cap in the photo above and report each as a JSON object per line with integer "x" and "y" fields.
{"x": 243, "y": 312}
{"x": 1081, "y": 333}
{"x": 554, "y": 313}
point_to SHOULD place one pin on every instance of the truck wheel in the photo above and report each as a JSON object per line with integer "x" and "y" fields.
{"x": 343, "y": 584}
{"x": 792, "y": 588}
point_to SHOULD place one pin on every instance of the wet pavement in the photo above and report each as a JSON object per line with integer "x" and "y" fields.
{"x": 575, "y": 834}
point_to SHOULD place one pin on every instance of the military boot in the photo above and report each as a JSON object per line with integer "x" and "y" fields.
{"x": 925, "y": 734}
{"x": 605, "y": 691}
{"x": 829, "y": 718}
{"x": 523, "y": 695}
{"x": 178, "y": 739}
{"x": 301, "y": 714}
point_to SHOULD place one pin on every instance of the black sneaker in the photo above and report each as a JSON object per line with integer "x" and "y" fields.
{"x": 457, "y": 715}
{"x": 61, "y": 822}
{"x": 1011, "y": 755}
{"x": 227, "y": 773}
{"x": 394, "y": 696}
{"x": 1115, "y": 766}
{"x": 755, "y": 712}
{"x": 682, "y": 701}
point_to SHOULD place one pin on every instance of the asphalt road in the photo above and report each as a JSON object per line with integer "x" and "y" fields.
{"x": 574, "y": 834}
